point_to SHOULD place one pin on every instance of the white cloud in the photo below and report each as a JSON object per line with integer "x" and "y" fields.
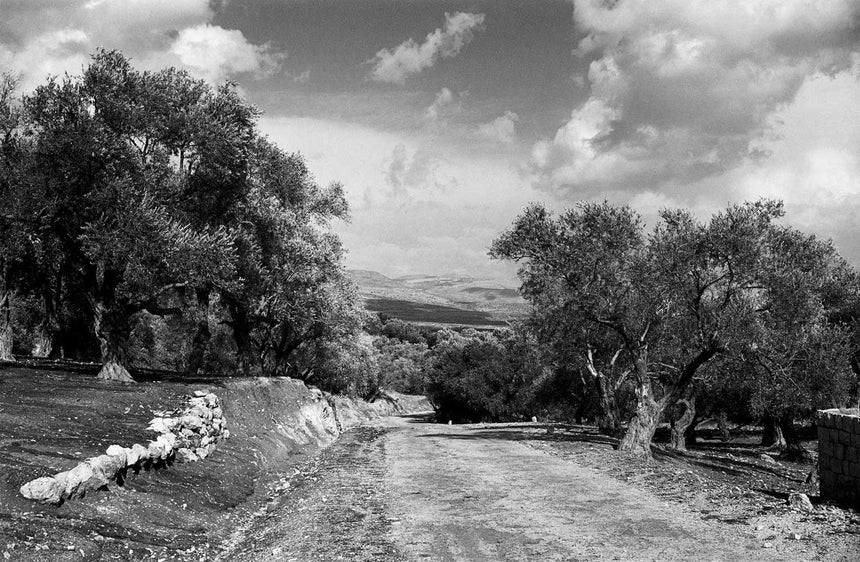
{"x": 41, "y": 38}
{"x": 395, "y": 65}
{"x": 421, "y": 173}
{"x": 51, "y": 53}
{"x": 682, "y": 90}
{"x": 450, "y": 207}
{"x": 502, "y": 129}
{"x": 214, "y": 53}
{"x": 443, "y": 101}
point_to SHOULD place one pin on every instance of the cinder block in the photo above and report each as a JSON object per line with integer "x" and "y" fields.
{"x": 845, "y": 438}
{"x": 827, "y": 483}
{"x": 825, "y": 448}
{"x": 855, "y": 441}
{"x": 835, "y": 432}
{"x": 839, "y": 451}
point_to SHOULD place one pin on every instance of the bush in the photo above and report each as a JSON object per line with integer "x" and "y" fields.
{"x": 402, "y": 365}
{"x": 477, "y": 376}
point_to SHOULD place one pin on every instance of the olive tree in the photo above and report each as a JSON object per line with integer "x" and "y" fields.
{"x": 673, "y": 300}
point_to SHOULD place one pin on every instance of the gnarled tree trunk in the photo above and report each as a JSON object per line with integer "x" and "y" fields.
{"x": 794, "y": 450}
{"x": 723, "y": 426}
{"x": 682, "y": 424}
{"x": 640, "y": 430}
{"x": 249, "y": 364}
{"x": 6, "y": 335}
{"x": 608, "y": 422}
{"x": 772, "y": 434}
{"x": 202, "y": 333}
{"x": 111, "y": 327}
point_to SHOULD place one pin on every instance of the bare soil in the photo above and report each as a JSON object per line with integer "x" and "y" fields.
{"x": 405, "y": 489}
{"x": 396, "y": 489}
{"x": 50, "y": 420}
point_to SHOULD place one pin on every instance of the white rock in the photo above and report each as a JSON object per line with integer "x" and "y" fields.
{"x": 201, "y": 393}
{"x": 168, "y": 440}
{"x": 187, "y": 455}
{"x": 162, "y": 425}
{"x": 45, "y": 490}
{"x": 155, "y": 451}
{"x": 137, "y": 453}
{"x": 117, "y": 450}
{"x": 192, "y": 422}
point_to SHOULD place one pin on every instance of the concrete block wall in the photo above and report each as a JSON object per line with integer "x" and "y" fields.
{"x": 839, "y": 455}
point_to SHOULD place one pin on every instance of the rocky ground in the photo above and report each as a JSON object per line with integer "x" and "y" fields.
{"x": 396, "y": 489}
{"x": 406, "y": 490}
{"x": 736, "y": 483}
{"x": 52, "y": 420}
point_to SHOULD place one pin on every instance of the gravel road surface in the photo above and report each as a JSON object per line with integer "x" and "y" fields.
{"x": 402, "y": 489}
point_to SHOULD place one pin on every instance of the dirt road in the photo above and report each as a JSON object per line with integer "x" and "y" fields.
{"x": 407, "y": 490}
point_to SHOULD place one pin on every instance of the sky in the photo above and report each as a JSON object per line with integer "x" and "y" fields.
{"x": 443, "y": 119}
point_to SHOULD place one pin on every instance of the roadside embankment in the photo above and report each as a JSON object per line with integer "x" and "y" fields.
{"x": 50, "y": 422}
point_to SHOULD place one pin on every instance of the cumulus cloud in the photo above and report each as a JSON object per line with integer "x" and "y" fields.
{"x": 42, "y": 38}
{"x": 395, "y": 65}
{"x": 215, "y": 53}
{"x": 441, "y": 105}
{"x": 682, "y": 90}
{"x": 502, "y": 129}
{"x": 419, "y": 171}
{"x": 49, "y": 54}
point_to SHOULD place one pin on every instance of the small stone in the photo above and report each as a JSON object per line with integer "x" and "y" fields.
{"x": 162, "y": 425}
{"x": 767, "y": 545}
{"x": 187, "y": 455}
{"x": 137, "y": 453}
{"x": 200, "y": 393}
{"x": 192, "y": 421}
{"x": 794, "y": 536}
{"x": 534, "y": 419}
{"x": 768, "y": 459}
{"x": 800, "y": 501}
{"x": 117, "y": 450}
{"x": 45, "y": 490}
{"x": 155, "y": 451}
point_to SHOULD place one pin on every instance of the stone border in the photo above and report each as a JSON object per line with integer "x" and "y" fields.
{"x": 192, "y": 434}
{"x": 839, "y": 455}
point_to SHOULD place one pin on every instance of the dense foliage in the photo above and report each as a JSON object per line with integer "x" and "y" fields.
{"x": 147, "y": 217}
{"x": 687, "y": 308}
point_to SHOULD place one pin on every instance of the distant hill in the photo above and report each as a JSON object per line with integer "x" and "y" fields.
{"x": 445, "y": 300}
